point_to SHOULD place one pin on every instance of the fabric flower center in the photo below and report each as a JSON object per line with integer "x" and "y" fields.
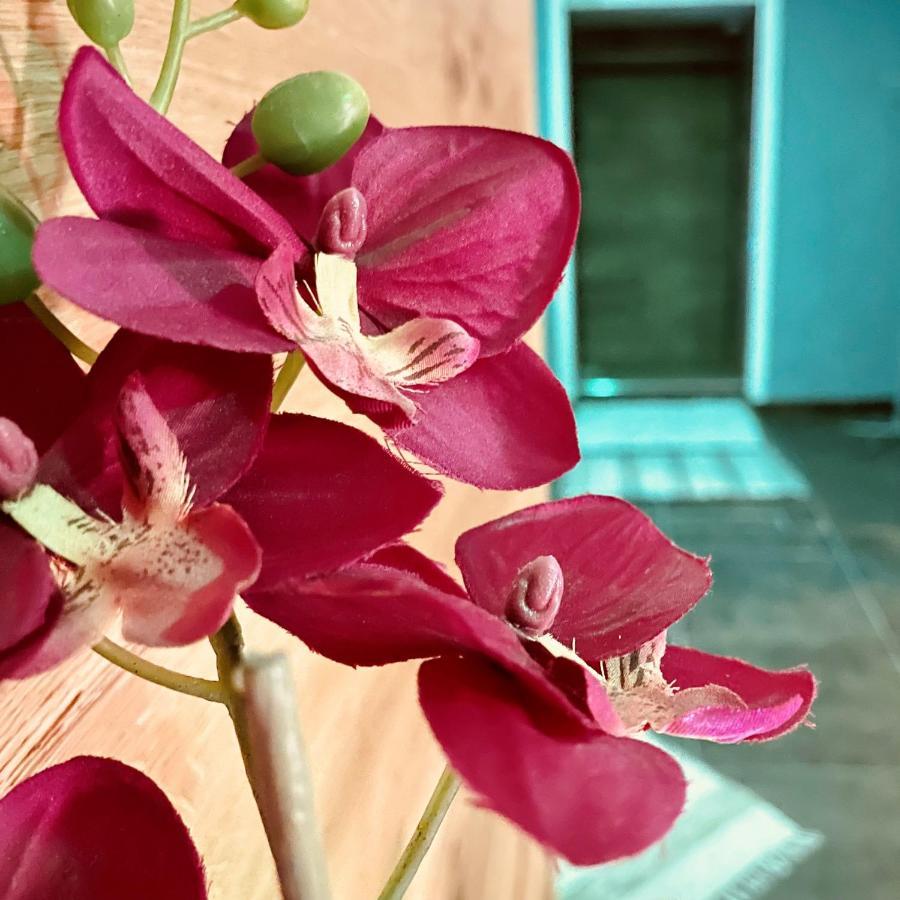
{"x": 325, "y": 323}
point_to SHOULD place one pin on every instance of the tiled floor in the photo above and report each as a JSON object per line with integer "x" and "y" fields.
{"x": 816, "y": 582}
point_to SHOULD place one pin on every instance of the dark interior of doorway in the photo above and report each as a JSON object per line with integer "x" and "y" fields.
{"x": 662, "y": 122}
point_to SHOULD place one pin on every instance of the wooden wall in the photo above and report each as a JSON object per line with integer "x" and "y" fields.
{"x": 422, "y": 61}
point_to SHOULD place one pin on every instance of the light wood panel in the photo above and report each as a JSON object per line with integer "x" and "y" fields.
{"x": 422, "y": 61}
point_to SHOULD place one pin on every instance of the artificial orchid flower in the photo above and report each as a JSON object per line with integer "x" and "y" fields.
{"x": 167, "y": 492}
{"x": 407, "y": 272}
{"x": 95, "y": 829}
{"x": 542, "y": 674}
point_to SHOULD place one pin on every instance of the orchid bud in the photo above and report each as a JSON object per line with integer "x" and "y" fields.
{"x": 342, "y": 226}
{"x": 535, "y": 596}
{"x": 18, "y": 460}
{"x": 308, "y": 122}
{"x": 273, "y": 13}
{"x": 17, "y": 227}
{"x": 105, "y": 22}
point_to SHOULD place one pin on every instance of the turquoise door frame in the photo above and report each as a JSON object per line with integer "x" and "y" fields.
{"x": 553, "y": 25}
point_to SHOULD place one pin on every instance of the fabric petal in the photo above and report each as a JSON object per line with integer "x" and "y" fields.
{"x": 154, "y": 285}
{"x": 371, "y": 614}
{"x": 625, "y": 582}
{"x": 41, "y": 386}
{"x": 216, "y": 403}
{"x": 95, "y": 829}
{"x": 299, "y": 198}
{"x": 136, "y": 168}
{"x": 506, "y": 423}
{"x": 470, "y": 224}
{"x": 30, "y": 600}
{"x": 317, "y": 495}
{"x": 178, "y": 585}
{"x": 776, "y": 701}
{"x": 586, "y": 796}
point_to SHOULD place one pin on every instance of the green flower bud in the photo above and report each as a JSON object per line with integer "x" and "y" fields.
{"x": 308, "y": 122}
{"x": 17, "y": 227}
{"x": 105, "y": 22}
{"x": 273, "y": 13}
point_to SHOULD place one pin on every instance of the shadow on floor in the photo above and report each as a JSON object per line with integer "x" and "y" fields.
{"x": 816, "y": 581}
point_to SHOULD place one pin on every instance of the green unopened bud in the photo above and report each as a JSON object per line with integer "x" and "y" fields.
{"x": 105, "y": 22}
{"x": 17, "y": 227}
{"x": 273, "y": 13}
{"x": 308, "y": 122}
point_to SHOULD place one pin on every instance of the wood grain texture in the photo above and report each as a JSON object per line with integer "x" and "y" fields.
{"x": 422, "y": 61}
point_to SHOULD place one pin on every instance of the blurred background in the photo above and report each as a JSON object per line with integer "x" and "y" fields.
{"x": 729, "y": 333}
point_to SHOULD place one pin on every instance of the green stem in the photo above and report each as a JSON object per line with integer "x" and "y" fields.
{"x": 180, "y": 32}
{"x": 409, "y": 862}
{"x": 228, "y": 644}
{"x": 68, "y": 339}
{"x": 211, "y": 23}
{"x": 292, "y": 367}
{"x": 168, "y": 74}
{"x": 114, "y": 54}
{"x": 176, "y": 681}
{"x": 249, "y": 165}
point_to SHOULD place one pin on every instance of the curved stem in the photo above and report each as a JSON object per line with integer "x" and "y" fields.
{"x": 176, "y": 681}
{"x": 409, "y": 862}
{"x": 67, "y": 338}
{"x": 249, "y": 165}
{"x": 114, "y": 55}
{"x": 168, "y": 74}
{"x": 287, "y": 375}
{"x": 228, "y": 644}
{"x": 211, "y": 23}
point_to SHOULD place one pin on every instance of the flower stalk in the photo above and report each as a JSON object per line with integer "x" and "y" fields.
{"x": 77, "y": 347}
{"x": 414, "y": 852}
{"x": 287, "y": 375}
{"x": 175, "y": 681}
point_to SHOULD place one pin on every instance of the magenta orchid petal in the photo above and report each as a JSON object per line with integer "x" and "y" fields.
{"x": 774, "y": 702}
{"x": 29, "y": 592}
{"x": 172, "y": 289}
{"x": 408, "y": 559}
{"x": 587, "y": 796}
{"x": 472, "y": 224}
{"x": 95, "y": 829}
{"x": 299, "y": 198}
{"x": 625, "y": 581}
{"x": 372, "y": 614}
{"x": 136, "y": 168}
{"x": 316, "y": 495}
{"x": 43, "y": 387}
{"x": 215, "y": 402}
{"x": 511, "y": 423}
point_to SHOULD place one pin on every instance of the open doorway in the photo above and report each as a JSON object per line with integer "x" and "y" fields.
{"x": 661, "y": 121}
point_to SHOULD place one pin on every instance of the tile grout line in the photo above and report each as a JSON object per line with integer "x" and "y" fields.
{"x": 874, "y": 612}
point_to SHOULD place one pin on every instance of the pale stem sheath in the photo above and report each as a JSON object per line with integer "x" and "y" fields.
{"x": 422, "y": 838}
{"x": 67, "y": 338}
{"x": 281, "y": 778}
{"x": 176, "y": 681}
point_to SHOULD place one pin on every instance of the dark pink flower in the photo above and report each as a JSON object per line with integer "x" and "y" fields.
{"x": 544, "y": 670}
{"x": 168, "y": 490}
{"x": 95, "y": 829}
{"x": 407, "y": 273}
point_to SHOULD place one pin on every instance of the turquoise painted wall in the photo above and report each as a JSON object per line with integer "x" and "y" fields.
{"x": 835, "y": 315}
